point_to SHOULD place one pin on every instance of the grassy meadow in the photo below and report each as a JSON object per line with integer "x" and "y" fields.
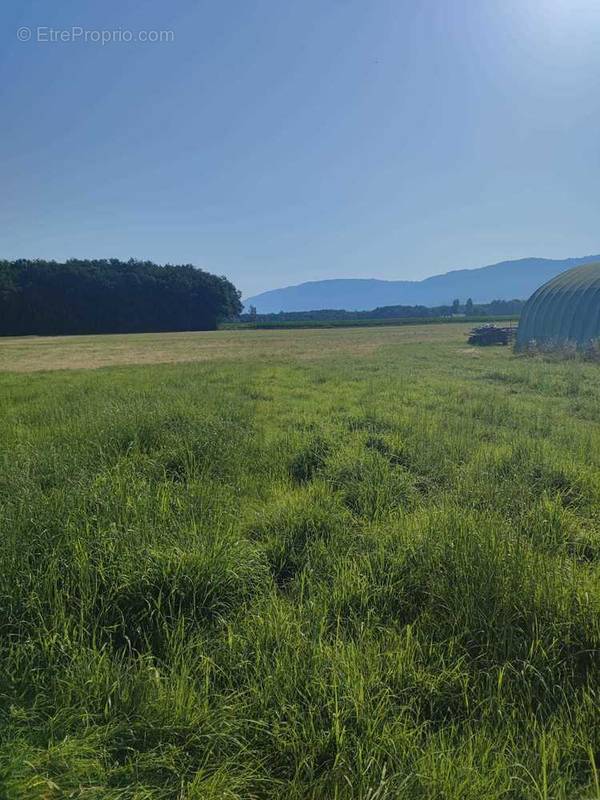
{"x": 359, "y": 563}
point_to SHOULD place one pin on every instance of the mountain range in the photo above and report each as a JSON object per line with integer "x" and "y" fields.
{"x": 507, "y": 280}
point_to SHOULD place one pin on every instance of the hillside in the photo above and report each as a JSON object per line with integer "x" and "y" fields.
{"x": 505, "y": 280}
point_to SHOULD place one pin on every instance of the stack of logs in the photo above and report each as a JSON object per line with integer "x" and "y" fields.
{"x": 491, "y": 334}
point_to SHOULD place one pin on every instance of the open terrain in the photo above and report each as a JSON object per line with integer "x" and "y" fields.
{"x": 35, "y": 353}
{"x": 357, "y": 563}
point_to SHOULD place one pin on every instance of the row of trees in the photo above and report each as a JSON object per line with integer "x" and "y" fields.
{"x": 110, "y": 296}
{"x": 495, "y": 308}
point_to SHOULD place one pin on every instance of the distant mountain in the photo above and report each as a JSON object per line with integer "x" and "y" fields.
{"x": 507, "y": 280}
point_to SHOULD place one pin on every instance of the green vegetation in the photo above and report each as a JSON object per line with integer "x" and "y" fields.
{"x": 384, "y": 315}
{"x": 348, "y": 574}
{"x": 350, "y": 322}
{"x": 110, "y": 296}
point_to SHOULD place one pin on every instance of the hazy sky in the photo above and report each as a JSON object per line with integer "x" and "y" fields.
{"x": 278, "y": 141}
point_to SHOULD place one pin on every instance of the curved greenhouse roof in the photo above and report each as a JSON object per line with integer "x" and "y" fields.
{"x": 566, "y": 309}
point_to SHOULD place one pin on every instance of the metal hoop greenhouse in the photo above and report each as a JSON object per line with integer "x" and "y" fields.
{"x": 566, "y": 309}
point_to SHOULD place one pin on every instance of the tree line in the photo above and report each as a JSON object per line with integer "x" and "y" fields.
{"x": 110, "y": 296}
{"x": 469, "y": 309}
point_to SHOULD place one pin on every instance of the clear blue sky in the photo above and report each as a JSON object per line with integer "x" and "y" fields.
{"x": 277, "y": 142}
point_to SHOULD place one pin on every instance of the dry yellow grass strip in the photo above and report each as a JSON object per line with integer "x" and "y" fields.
{"x": 31, "y": 354}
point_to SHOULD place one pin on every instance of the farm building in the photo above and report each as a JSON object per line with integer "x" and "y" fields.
{"x": 566, "y": 309}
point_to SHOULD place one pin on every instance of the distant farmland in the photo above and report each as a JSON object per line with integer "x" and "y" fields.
{"x": 364, "y": 322}
{"x": 30, "y": 354}
{"x": 341, "y": 563}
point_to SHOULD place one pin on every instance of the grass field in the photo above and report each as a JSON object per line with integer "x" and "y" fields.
{"x": 358, "y": 563}
{"x": 35, "y": 353}
{"x": 363, "y": 322}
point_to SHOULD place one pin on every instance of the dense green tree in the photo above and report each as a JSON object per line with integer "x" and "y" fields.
{"x": 110, "y": 296}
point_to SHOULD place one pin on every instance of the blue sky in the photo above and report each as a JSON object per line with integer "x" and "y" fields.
{"x": 280, "y": 141}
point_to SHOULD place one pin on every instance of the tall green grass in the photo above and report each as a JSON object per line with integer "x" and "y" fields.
{"x": 372, "y": 578}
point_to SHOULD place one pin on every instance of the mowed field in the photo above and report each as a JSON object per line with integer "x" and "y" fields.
{"x": 348, "y": 563}
{"x": 29, "y": 354}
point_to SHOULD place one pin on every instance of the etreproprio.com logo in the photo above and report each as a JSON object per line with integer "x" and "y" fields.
{"x": 77, "y": 33}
